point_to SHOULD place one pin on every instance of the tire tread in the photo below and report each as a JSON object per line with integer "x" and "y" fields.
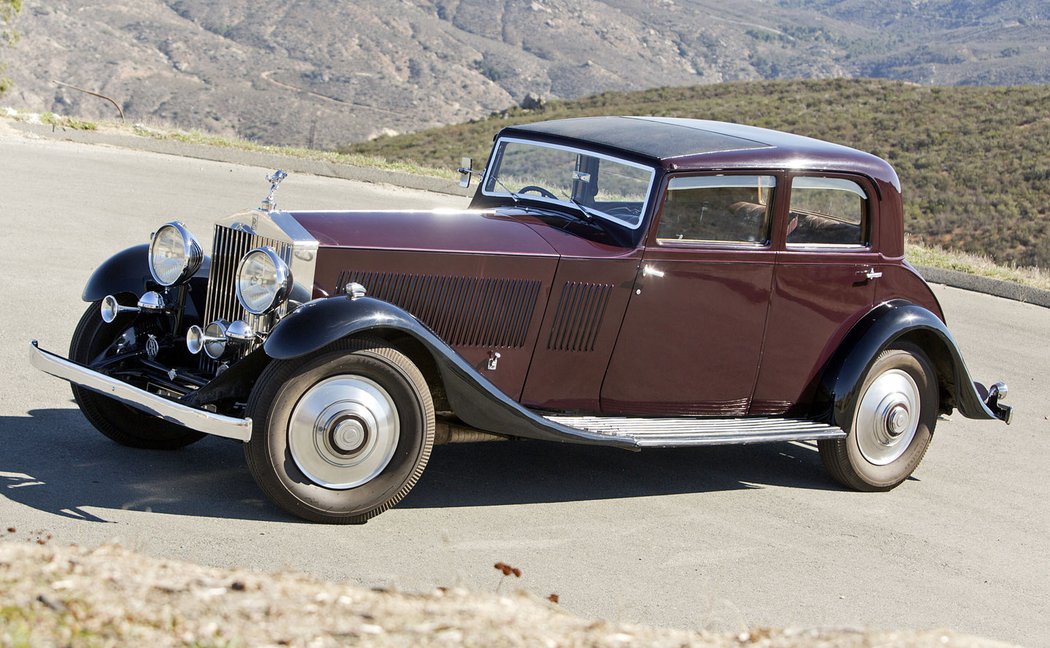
{"x": 834, "y": 453}
{"x": 277, "y": 372}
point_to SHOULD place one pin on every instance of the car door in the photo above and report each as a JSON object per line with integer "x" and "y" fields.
{"x": 692, "y": 334}
{"x": 826, "y": 271}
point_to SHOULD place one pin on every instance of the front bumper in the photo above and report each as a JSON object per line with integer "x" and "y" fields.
{"x": 192, "y": 418}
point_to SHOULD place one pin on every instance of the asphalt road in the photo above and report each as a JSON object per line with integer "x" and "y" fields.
{"x": 717, "y": 538}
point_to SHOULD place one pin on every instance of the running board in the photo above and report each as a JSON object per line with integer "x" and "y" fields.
{"x": 681, "y": 432}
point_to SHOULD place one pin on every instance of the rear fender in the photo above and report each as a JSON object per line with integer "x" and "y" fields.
{"x": 889, "y": 323}
{"x": 473, "y": 398}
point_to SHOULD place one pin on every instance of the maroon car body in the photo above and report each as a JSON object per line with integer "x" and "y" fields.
{"x": 651, "y": 282}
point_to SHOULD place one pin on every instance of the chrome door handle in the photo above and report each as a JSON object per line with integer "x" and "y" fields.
{"x": 650, "y": 271}
{"x": 870, "y": 274}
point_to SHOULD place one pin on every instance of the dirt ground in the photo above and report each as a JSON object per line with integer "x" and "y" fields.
{"x": 109, "y": 596}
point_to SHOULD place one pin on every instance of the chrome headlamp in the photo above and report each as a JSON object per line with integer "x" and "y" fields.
{"x": 174, "y": 255}
{"x": 263, "y": 281}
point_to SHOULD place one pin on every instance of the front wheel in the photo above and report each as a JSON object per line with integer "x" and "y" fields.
{"x": 893, "y": 422}
{"x": 341, "y": 435}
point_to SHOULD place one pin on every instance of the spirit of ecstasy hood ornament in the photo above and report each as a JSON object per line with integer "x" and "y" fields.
{"x": 269, "y": 203}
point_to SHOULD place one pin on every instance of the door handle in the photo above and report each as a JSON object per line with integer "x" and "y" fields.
{"x": 650, "y": 271}
{"x": 870, "y": 274}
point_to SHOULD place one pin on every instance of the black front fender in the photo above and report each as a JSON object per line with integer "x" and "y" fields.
{"x": 472, "y": 396}
{"x": 887, "y": 323}
{"x": 127, "y": 272}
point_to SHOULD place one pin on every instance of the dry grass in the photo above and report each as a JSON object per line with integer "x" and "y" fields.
{"x": 169, "y": 133}
{"x": 918, "y": 253}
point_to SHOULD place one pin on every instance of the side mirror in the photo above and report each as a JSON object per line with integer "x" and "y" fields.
{"x": 465, "y": 172}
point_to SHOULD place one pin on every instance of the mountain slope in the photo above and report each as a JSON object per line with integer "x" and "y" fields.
{"x": 326, "y": 73}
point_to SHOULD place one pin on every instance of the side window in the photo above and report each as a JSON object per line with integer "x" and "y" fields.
{"x": 717, "y": 209}
{"x": 827, "y": 211}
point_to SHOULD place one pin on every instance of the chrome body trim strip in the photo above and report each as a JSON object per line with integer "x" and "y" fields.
{"x": 682, "y": 432}
{"x": 195, "y": 419}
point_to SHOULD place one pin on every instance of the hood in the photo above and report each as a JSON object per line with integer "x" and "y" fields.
{"x": 467, "y": 231}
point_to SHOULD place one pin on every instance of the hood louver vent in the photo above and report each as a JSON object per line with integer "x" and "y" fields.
{"x": 578, "y": 316}
{"x": 463, "y": 311}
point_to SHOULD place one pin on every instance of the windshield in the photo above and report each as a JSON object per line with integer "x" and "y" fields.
{"x": 613, "y": 189}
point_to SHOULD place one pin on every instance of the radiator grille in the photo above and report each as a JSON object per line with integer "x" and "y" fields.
{"x": 228, "y": 247}
{"x": 463, "y": 311}
{"x": 578, "y": 316}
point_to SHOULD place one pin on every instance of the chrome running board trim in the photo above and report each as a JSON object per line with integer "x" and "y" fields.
{"x": 195, "y": 419}
{"x": 682, "y": 432}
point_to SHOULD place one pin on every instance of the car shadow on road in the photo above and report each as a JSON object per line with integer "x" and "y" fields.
{"x": 527, "y": 472}
{"x": 54, "y": 461}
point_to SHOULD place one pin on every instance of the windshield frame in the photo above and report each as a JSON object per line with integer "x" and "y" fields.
{"x": 503, "y": 192}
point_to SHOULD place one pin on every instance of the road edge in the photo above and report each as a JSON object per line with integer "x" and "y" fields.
{"x": 262, "y": 159}
{"x": 986, "y": 285}
{"x": 325, "y": 168}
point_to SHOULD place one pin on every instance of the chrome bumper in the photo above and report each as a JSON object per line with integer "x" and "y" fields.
{"x": 195, "y": 419}
{"x": 991, "y": 397}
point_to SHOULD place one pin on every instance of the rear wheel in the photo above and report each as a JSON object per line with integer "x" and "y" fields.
{"x": 893, "y": 422}
{"x": 341, "y": 435}
{"x": 94, "y": 339}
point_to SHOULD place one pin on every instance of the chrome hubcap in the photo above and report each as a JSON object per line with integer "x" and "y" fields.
{"x": 349, "y": 435}
{"x": 343, "y": 431}
{"x": 897, "y": 420}
{"x": 888, "y": 417}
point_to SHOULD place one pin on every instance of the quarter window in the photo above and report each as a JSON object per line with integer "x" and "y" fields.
{"x": 826, "y": 211}
{"x": 717, "y": 209}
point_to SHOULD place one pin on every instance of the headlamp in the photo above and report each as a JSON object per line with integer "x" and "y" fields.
{"x": 174, "y": 255}
{"x": 263, "y": 281}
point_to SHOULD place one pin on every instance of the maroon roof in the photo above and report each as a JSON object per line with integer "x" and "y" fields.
{"x": 687, "y": 144}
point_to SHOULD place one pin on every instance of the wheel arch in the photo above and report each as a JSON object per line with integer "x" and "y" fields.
{"x": 420, "y": 355}
{"x": 886, "y": 325}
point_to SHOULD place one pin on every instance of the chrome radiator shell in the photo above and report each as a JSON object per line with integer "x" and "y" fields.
{"x": 235, "y": 236}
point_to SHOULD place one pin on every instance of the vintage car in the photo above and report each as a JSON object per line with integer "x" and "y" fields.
{"x": 623, "y": 281}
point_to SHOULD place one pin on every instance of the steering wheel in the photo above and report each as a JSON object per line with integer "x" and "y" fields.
{"x": 540, "y": 190}
{"x": 623, "y": 210}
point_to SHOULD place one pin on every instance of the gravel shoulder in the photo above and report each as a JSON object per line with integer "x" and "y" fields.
{"x": 109, "y": 596}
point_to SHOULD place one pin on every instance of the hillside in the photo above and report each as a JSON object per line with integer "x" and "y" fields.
{"x": 974, "y": 162}
{"x": 326, "y": 73}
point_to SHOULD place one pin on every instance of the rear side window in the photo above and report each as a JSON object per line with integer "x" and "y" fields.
{"x": 827, "y": 211}
{"x": 717, "y": 209}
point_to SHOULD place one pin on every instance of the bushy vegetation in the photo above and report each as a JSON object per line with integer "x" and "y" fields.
{"x": 974, "y": 162}
{"x": 67, "y": 122}
{"x": 8, "y": 36}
